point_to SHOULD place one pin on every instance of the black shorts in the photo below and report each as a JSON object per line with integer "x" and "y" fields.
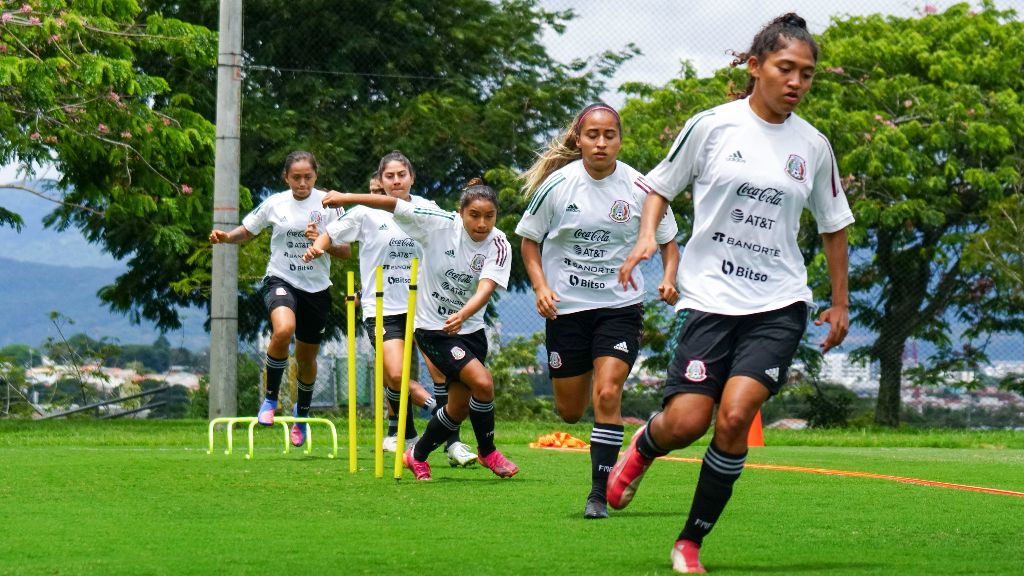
{"x": 310, "y": 308}
{"x": 394, "y": 328}
{"x": 451, "y": 353}
{"x": 711, "y": 348}
{"x": 575, "y": 340}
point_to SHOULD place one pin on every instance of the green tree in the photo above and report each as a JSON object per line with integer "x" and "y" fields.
{"x": 135, "y": 159}
{"x": 925, "y": 117}
{"x": 21, "y": 355}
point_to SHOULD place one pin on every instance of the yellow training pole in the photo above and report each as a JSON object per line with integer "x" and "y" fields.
{"x": 378, "y": 377}
{"x": 350, "y": 312}
{"x": 403, "y": 403}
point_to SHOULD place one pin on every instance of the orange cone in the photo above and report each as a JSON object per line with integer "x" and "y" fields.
{"x": 755, "y": 438}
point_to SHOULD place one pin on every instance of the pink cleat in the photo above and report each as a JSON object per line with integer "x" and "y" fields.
{"x": 686, "y": 558}
{"x": 298, "y": 430}
{"x": 266, "y": 414}
{"x": 626, "y": 474}
{"x": 498, "y": 464}
{"x": 421, "y": 470}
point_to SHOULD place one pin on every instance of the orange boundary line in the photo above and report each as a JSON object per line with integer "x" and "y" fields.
{"x": 829, "y": 472}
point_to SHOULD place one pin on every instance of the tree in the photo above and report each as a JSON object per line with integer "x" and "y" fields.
{"x": 925, "y": 117}
{"x": 136, "y": 161}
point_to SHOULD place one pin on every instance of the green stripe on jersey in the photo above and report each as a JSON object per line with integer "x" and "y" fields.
{"x": 696, "y": 119}
{"x": 541, "y": 194}
{"x": 430, "y": 212}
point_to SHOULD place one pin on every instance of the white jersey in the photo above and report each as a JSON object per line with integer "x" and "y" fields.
{"x": 382, "y": 242}
{"x": 453, "y": 264}
{"x": 751, "y": 180}
{"x": 588, "y": 227}
{"x": 288, "y": 243}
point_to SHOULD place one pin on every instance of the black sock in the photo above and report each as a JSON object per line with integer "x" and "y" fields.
{"x": 439, "y": 427}
{"x": 395, "y": 399}
{"x": 441, "y": 399}
{"x": 605, "y": 441}
{"x": 646, "y": 446}
{"x": 304, "y": 398}
{"x": 275, "y": 370}
{"x": 392, "y": 426}
{"x": 481, "y": 414}
{"x": 718, "y": 473}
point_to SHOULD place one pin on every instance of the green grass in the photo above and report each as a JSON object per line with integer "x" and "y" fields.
{"x": 88, "y": 497}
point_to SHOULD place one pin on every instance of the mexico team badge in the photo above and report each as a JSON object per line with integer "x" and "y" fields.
{"x": 458, "y": 353}
{"x": 477, "y": 264}
{"x": 619, "y": 211}
{"x": 555, "y": 360}
{"x": 796, "y": 167}
{"x": 695, "y": 371}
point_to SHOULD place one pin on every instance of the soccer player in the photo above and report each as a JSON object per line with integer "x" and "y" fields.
{"x": 384, "y": 241}
{"x": 465, "y": 259}
{"x": 296, "y": 293}
{"x": 585, "y": 210}
{"x": 753, "y": 165}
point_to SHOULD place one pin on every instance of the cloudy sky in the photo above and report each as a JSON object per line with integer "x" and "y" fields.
{"x": 670, "y": 31}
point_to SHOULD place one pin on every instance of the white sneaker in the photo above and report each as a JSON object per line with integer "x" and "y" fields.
{"x": 391, "y": 444}
{"x": 460, "y": 455}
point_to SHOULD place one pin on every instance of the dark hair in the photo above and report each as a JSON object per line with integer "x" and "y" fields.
{"x": 395, "y": 156}
{"x": 299, "y": 156}
{"x": 789, "y": 26}
{"x": 562, "y": 150}
{"x": 476, "y": 190}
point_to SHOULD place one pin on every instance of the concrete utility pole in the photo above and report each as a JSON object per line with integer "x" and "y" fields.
{"x": 224, "y": 291}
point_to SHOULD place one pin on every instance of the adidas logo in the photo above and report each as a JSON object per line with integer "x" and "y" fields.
{"x": 383, "y": 227}
{"x": 572, "y": 208}
{"x": 450, "y": 253}
{"x": 622, "y": 347}
{"x": 736, "y": 157}
{"x": 773, "y": 373}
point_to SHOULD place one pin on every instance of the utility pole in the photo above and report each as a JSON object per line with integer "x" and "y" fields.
{"x": 224, "y": 289}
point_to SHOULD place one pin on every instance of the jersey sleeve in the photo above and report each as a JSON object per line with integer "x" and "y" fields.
{"x": 422, "y": 221}
{"x": 346, "y": 228}
{"x": 498, "y": 265}
{"x": 667, "y": 229}
{"x": 536, "y": 221}
{"x": 827, "y": 201}
{"x": 258, "y": 219}
{"x": 675, "y": 172}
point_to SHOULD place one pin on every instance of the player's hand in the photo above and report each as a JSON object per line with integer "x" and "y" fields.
{"x": 334, "y": 199}
{"x": 453, "y": 324}
{"x": 838, "y": 318}
{"x": 312, "y": 253}
{"x": 219, "y": 236}
{"x": 546, "y": 299}
{"x": 668, "y": 293}
{"x": 312, "y": 231}
{"x": 644, "y": 249}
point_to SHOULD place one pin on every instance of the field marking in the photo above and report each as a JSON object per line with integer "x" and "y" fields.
{"x": 828, "y": 472}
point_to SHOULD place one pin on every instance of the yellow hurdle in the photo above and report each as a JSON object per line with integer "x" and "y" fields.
{"x": 403, "y": 404}
{"x": 350, "y": 312}
{"x": 378, "y": 376}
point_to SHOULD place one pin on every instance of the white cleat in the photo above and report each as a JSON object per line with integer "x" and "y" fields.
{"x": 459, "y": 455}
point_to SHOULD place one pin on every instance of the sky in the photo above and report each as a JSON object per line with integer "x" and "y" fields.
{"x": 670, "y": 31}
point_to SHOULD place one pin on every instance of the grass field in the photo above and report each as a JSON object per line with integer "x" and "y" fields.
{"x": 143, "y": 497}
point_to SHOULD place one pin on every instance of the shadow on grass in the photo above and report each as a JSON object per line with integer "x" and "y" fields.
{"x": 796, "y": 567}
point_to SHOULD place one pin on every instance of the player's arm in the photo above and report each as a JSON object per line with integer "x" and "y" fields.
{"x": 837, "y": 315}
{"x": 670, "y": 265}
{"x": 546, "y": 297}
{"x": 237, "y": 236}
{"x": 479, "y": 299}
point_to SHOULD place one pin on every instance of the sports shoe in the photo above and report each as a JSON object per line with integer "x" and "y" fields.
{"x": 626, "y": 474}
{"x": 421, "y": 470}
{"x": 460, "y": 455}
{"x": 686, "y": 558}
{"x": 498, "y": 464}
{"x": 266, "y": 414}
{"x": 596, "y": 508}
{"x": 298, "y": 430}
{"x": 391, "y": 444}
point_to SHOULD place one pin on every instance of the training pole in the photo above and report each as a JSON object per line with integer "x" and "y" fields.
{"x": 378, "y": 380}
{"x": 403, "y": 403}
{"x": 350, "y": 312}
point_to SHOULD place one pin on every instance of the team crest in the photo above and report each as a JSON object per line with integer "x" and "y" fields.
{"x": 555, "y": 360}
{"x": 316, "y": 217}
{"x": 458, "y": 353}
{"x": 620, "y": 211}
{"x": 281, "y": 291}
{"x": 796, "y": 167}
{"x": 477, "y": 264}
{"x": 695, "y": 371}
